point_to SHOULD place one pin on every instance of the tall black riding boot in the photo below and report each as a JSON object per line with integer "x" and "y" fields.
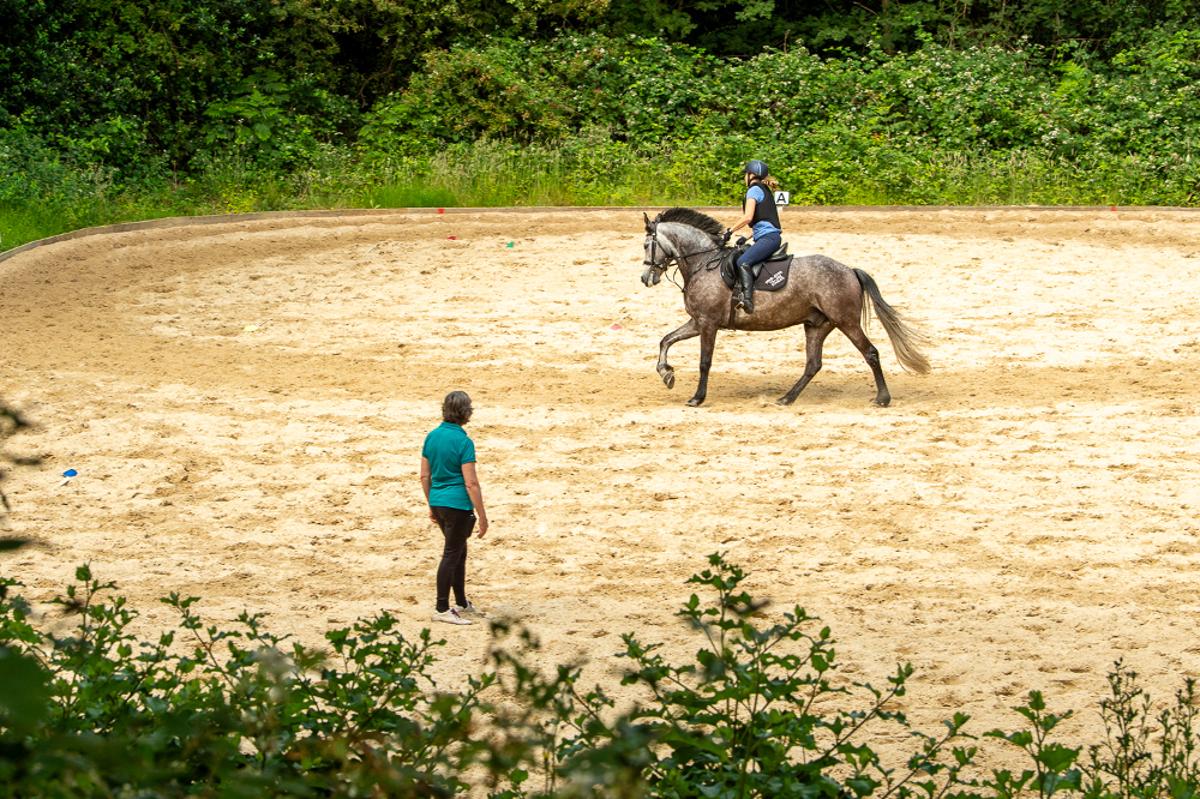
{"x": 746, "y": 280}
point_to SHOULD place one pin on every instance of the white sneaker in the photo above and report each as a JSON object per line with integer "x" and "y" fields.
{"x": 450, "y": 616}
{"x": 469, "y": 610}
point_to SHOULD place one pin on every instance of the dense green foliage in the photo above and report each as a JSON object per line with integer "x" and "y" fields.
{"x": 125, "y": 110}
{"x": 761, "y": 711}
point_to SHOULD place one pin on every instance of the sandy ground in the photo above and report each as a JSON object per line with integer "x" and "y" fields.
{"x": 245, "y": 403}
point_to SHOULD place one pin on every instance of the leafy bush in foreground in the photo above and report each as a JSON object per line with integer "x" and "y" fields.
{"x": 205, "y": 711}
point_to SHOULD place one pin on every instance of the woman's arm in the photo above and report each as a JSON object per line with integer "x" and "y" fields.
{"x": 748, "y": 217}
{"x": 475, "y": 492}
{"x": 427, "y": 483}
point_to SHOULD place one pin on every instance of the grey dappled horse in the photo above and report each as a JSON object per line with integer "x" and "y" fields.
{"x": 821, "y": 294}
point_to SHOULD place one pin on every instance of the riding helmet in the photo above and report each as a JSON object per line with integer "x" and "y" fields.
{"x": 756, "y": 168}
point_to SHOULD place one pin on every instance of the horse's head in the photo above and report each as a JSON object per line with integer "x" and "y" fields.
{"x": 659, "y": 254}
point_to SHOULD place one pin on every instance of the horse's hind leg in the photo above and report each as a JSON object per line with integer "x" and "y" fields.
{"x": 814, "y": 343}
{"x": 855, "y": 333}
{"x": 688, "y": 330}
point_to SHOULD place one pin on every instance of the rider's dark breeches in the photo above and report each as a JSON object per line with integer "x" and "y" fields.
{"x": 760, "y": 250}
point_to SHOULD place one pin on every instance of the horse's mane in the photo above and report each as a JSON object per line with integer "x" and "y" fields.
{"x": 688, "y": 216}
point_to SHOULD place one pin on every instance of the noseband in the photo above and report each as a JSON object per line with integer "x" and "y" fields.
{"x": 651, "y": 262}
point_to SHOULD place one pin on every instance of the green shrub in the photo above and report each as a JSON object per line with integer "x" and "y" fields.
{"x": 34, "y": 171}
{"x": 641, "y": 90}
{"x": 277, "y": 124}
{"x": 466, "y": 94}
{"x": 234, "y": 712}
{"x": 760, "y": 711}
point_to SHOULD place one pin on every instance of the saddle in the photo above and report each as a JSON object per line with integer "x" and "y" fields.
{"x": 770, "y": 275}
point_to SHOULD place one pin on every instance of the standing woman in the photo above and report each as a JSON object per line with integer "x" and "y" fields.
{"x": 454, "y": 496}
{"x": 759, "y": 212}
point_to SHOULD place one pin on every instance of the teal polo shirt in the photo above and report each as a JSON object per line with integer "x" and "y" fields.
{"x": 447, "y": 448}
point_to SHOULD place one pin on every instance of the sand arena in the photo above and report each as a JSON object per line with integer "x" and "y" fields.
{"x": 244, "y": 402}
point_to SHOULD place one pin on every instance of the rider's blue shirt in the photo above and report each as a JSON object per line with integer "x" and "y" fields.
{"x": 762, "y": 227}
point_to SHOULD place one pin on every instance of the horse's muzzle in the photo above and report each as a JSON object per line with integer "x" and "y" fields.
{"x": 651, "y": 276}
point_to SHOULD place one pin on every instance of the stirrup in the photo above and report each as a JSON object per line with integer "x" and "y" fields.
{"x": 745, "y": 283}
{"x": 746, "y": 301}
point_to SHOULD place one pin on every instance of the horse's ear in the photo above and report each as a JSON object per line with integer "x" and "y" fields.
{"x": 649, "y": 224}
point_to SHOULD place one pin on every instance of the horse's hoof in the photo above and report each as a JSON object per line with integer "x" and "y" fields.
{"x": 883, "y": 402}
{"x": 694, "y": 402}
{"x": 785, "y": 400}
{"x": 668, "y": 379}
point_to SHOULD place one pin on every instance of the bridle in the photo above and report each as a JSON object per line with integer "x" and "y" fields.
{"x": 676, "y": 260}
{"x": 654, "y": 245}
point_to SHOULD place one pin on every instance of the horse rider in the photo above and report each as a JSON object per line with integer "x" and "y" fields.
{"x": 760, "y": 213}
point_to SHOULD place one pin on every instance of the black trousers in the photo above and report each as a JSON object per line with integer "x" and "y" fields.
{"x": 452, "y": 571}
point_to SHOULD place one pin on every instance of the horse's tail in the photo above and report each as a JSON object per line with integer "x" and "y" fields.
{"x": 904, "y": 338}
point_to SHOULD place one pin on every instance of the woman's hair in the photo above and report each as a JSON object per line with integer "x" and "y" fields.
{"x": 770, "y": 182}
{"x": 456, "y": 407}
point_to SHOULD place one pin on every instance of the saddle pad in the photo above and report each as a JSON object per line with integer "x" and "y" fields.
{"x": 773, "y": 275}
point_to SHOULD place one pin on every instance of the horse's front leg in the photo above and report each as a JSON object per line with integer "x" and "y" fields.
{"x": 708, "y": 339}
{"x": 688, "y": 330}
